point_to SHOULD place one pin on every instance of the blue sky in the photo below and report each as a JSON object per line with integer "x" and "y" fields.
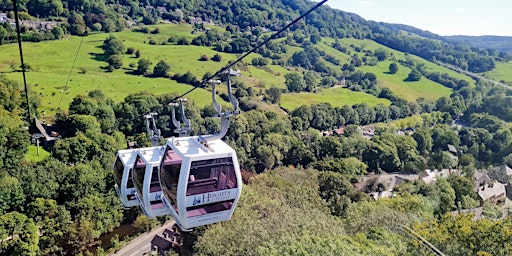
{"x": 443, "y": 17}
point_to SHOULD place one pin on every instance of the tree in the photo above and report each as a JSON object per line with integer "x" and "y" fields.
{"x": 204, "y": 57}
{"x": 45, "y": 9}
{"x": 12, "y": 197}
{"x": 294, "y": 82}
{"x": 116, "y": 61}
{"x": 143, "y": 66}
{"x": 113, "y": 45}
{"x": 446, "y": 195}
{"x": 393, "y": 68}
{"x": 273, "y": 94}
{"x": 161, "y": 69}
{"x": 77, "y": 24}
{"x": 310, "y": 80}
{"x": 57, "y": 32}
{"x": 463, "y": 187}
{"x": 14, "y": 140}
{"x": 217, "y": 57}
{"x": 23, "y": 234}
{"x": 381, "y": 54}
{"x": 424, "y": 140}
{"x": 414, "y": 76}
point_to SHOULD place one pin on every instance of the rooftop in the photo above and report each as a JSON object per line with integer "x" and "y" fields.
{"x": 485, "y": 192}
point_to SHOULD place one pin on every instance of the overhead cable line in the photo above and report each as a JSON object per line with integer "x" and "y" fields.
{"x": 70, "y": 71}
{"x": 15, "y": 5}
{"x": 253, "y": 49}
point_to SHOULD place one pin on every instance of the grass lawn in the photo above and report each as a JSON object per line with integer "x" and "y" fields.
{"x": 52, "y": 61}
{"x": 408, "y": 90}
{"x": 32, "y": 156}
{"x": 502, "y": 72}
{"x": 337, "y": 97}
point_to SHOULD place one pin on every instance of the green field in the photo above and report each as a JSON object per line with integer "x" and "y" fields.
{"x": 502, "y": 72}
{"x": 337, "y": 97}
{"x": 407, "y": 90}
{"x": 52, "y": 61}
{"x": 32, "y": 156}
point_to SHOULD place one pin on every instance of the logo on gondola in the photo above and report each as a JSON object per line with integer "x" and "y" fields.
{"x": 197, "y": 200}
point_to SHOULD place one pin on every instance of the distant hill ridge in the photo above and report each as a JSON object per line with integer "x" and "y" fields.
{"x": 500, "y": 43}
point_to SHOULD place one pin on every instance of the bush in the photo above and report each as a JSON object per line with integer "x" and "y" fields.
{"x": 130, "y": 50}
{"x": 217, "y": 57}
{"x": 182, "y": 41}
{"x": 414, "y": 76}
{"x": 204, "y": 57}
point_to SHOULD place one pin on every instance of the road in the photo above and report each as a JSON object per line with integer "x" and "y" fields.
{"x": 142, "y": 244}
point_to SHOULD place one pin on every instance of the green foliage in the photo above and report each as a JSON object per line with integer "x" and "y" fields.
{"x": 116, "y": 61}
{"x": 393, "y": 68}
{"x": 14, "y": 141}
{"x": 294, "y": 82}
{"x": 12, "y": 197}
{"x": 338, "y": 193}
{"x": 161, "y": 69}
{"x": 143, "y": 66}
{"x": 463, "y": 235}
{"x": 273, "y": 94}
{"x": 387, "y": 213}
{"x": 414, "y": 76}
{"x": 446, "y": 195}
{"x": 19, "y": 235}
{"x": 113, "y": 45}
{"x": 349, "y": 167}
{"x": 274, "y": 212}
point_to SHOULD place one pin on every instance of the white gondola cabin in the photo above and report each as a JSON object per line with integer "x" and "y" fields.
{"x": 146, "y": 180}
{"x": 201, "y": 184}
{"x": 123, "y": 166}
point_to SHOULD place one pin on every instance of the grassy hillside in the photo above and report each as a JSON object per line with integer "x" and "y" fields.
{"x": 407, "y": 90}
{"x": 502, "y": 72}
{"x": 51, "y": 62}
{"x": 337, "y": 97}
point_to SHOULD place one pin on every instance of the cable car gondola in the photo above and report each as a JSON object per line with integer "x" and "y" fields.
{"x": 123, "y": 166}
{"x": 200, "y": 175}
{"x": 146, "y": 180}
{"x": 201, "y": 183}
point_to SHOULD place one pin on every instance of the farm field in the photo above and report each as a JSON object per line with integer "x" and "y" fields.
{"x": 337, "y": 97}
{"x": 51, "y": 62}
{"x": 408, "y": 90}
{"x": 502, "y": 72}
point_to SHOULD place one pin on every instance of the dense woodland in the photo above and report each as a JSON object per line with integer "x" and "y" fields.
{"x": 299, "y": 198}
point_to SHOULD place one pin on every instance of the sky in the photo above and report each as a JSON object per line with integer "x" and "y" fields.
{"x": 443, "y": 17}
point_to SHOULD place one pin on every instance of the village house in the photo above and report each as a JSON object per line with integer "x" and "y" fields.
{"x": 39, "y": 25}
{"x": 480, "y": 179}
{"x": 493, "y": 193}
{"x": 167, "y": 241}
{"x": 388, "y": 181}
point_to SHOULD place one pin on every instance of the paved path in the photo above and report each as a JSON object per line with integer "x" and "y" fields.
{"x": 142, "y": 244}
